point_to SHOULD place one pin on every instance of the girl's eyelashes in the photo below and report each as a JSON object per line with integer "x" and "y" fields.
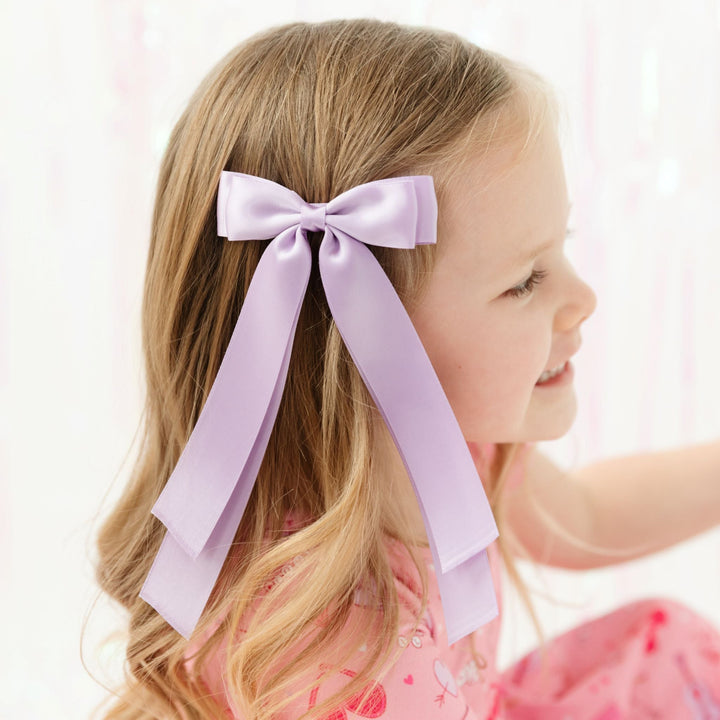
{"x": 536, "y": 277}
{"x": 526, "y": 288}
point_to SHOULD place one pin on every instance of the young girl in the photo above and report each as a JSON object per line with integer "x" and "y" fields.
{"x": 358, "y": 319}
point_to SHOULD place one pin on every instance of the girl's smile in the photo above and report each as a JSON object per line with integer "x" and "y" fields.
{"x": 562, "y": 376}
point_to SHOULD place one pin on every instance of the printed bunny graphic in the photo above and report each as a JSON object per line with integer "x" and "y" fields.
{"x": 446, "y": 680}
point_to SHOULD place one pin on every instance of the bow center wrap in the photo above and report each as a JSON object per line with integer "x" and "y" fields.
{"x": 204, "y": 499}
{"x": 312, "y": 216}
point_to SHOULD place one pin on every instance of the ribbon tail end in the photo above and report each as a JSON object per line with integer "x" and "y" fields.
{"x": 457, "y": 632}
{"x": 468, "y": 596}
{"x": 191, "y": 551}
{"x": 184, "y": 628}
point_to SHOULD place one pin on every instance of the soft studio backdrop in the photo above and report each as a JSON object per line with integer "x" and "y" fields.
{"x": 91, "y": 91}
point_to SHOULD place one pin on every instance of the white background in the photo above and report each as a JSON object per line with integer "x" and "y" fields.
{"x": 90, "y": 94}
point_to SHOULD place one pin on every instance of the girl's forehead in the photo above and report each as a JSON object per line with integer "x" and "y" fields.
{"x": 499, "y": 209}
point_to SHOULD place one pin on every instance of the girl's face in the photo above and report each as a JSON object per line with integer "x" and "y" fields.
{"x": 487, "y": 338}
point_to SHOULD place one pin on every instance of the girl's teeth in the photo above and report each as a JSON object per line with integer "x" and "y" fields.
{"x": 551, "y": 373}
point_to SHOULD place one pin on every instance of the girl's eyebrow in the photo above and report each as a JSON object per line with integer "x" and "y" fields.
{"x": 519, "y": 262}
{"x": 524, "y": 259}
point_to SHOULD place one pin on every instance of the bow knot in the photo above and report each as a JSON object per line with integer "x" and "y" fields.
{"x": 205, "y": 497}
{"x": 312, "y": 216}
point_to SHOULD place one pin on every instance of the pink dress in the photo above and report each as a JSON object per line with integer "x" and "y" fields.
{"x": 649, "y": 659}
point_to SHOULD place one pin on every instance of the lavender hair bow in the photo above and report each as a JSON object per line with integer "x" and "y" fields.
{"x": 204, "y": 499}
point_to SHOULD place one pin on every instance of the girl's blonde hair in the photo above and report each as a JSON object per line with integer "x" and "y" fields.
{"x": 319, "y": 108}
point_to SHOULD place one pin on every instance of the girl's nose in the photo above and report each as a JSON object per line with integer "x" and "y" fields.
{"x": 580, "y": 303}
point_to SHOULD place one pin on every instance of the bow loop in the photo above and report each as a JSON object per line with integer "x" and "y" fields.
{"x": 384, "y": 212}
{"x": 253, "y": 208}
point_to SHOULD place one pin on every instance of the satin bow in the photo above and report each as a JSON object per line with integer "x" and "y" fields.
{"x": 204, "y": 499}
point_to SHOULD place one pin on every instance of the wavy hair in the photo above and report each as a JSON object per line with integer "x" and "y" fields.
{"x": 319, "y": 108}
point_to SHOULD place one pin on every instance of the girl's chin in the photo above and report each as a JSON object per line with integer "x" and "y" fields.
{"x": 552, "y": 423}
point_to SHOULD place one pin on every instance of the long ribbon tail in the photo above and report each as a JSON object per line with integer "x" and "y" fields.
{"x": 397, "y": 372}
{"x": 205, "y": 497}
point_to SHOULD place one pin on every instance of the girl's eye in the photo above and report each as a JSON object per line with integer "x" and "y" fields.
{"x": 535, "y": 278}
{"x": 526, "y": 288}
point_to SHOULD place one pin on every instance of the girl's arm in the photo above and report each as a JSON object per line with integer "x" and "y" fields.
{"x": 646, "y": 501}
{"x": 654, "y": 499}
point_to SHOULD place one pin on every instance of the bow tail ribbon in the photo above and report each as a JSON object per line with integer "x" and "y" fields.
{"x": 217, "y": 469}
{"x": 399, "y": 375}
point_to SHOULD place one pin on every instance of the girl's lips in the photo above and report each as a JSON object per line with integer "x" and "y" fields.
{"x": 562, "y": 378}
